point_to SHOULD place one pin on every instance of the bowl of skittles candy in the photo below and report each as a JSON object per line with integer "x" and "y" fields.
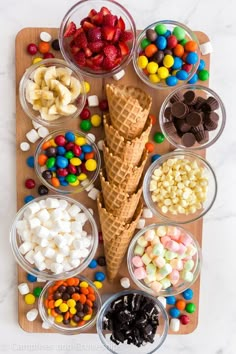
{"x": 167, "y": 54}
{"x": 67, "y": 161}
{"x": 70, "y": 306}
{"x": 192, "y": 117}
{"x": 164, "y": 259}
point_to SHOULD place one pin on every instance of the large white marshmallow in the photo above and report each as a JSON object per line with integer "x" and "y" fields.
{"x": 23, "y": 288}
{"x": 73, "y": 210}
{"x": 60, "y": 241}
{"x": 26, "y": 247}
{"x": 52, "y": 203}
{"x": 41, "y": 232}
{"x": 43, "y": 215}
{"x": 56, "y": 267}
{"x": 34, "y": 222}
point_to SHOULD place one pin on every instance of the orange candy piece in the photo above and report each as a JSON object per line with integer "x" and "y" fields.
{"x": 150, "y": 50}
{"x": 71, "y": 281}
{"x": 82, "y": 299}
{"x": 149, "y": 147}
{"x": 55, "y": 182}
{"x": 44, "y": 47}
{"x": 89, "y": 155}
{"x": 91, "y": 297}
{"x": 46, "y": 145}
{"x": 153, "y": 119}
{"x": 89, "y": 303}
{"x": 84, "y": 291}
{"x": 76, "y": 296}
{"x": 191, "y": 46}
{"x": 180, "y": 305}
{"x": 179, "y": 50}
{"x": 91, "y": 290}
{"x": 42, "y": 159}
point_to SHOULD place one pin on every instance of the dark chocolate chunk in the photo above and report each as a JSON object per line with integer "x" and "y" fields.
{"x": 57, "y": 310}
{"x": 66, "y": 322}
{"x": 76, "y": 318}
{"x": 101, "y": 261}
{"x": 199, "y": 132}
{"x": 190, "y": 97}
{"x": 65, "y": 296}
{"x": 194, "y": 119}
{"x": 79, "y": 307}
{"x": 168, "y": 51}
{"x": 62, "y": 289}
{"x": 169, "y": 128}
{"x": 70, "y": 290}
{"x": 182, "y": 125}
{"x": 177, "y": 97}
{"x": 212, "y": 103}
{"x": 179, "y": 110}
{"x": 55, "y": 44}
{"x": 188, "y": 139}
{"x": 167, "y": 114}
{"x": 200, "y": 101}
{"x": 57, "y": 295}
{"x": 151, "y": 35}
{"x": 158, "y": 57}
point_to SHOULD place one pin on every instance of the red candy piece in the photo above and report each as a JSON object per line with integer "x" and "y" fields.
{"x": 62, "y": 172}
{"x": 85, "y": 114}
{"x": 69, "y": 146}
{"x": 187, "y": 67}
{"x": 184, "y": 319}
{"x": 48, "y": 56}
{"x": 72, "y": 169}
{"x": 60, "y": 140}
{"x": 100, "y": 238}
{"x": 172, "y": 42}
{"x": 32, "y": 49}
{"x": 83, "y": 168}
{"x": 30, "y": 183}
{"x": 103, "y": 105}
{"x": 77, "y": 150}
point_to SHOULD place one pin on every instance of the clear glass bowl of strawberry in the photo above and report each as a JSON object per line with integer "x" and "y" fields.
{"x": 98, "y": 37}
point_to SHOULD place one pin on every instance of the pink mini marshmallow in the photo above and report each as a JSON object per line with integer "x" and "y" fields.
{"x": 185, "y": 239}
{"x": 140, "y": 273}
{"x": 156, "y": 287}
{"x": 172, "y": 246}
{"x": 159, "y": 261}
{"x": 137, "y": 261}
{"x": 149, "y": 235}
{"x": 165, "y": 239}
{"x": 177, "y": 264}
{"x": 174, "y": 276}
{"x": 182, "y": 249}
{"x": 174, "y": 232}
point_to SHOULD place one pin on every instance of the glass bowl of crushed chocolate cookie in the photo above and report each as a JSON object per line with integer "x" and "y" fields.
{"x": 192, "y": 117}
{"x": 132, "y": 322}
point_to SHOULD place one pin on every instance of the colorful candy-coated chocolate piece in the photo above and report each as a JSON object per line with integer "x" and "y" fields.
{"x": 93, "y": 264}
{"x": 174, "y": 312}
{"x": 184, "y": 319}
{"x": 190, "y": 307}
{"x": 155, "y": 157}
{"x": 29, "y": 299}
{"x": 37, "y": 291}
{"x": 28, "y": 198}
{"x": 32, "y": 49}
{"x": 85, "y": 114}
{"x": 103, "y": 105}
{"x": 43, "y": 190}
{"x": 101, "y": 261}
{"x": 55, "y": 44}
{"x": 100, "y": 276}
{"x": 30, "y": 161}
{"x": 31, "y": 278}
{"x": 85, "y": 125}
{"x": 30, "y": 183}
{"x": 203, "y": 75}
{"x": 98, "y": 284}
{"x": 170, "y": 300}
{"x": 188, "y": 294}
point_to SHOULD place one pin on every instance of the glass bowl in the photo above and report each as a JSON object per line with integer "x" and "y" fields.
{"x": 205, "y": 138}
{"x": 28, "y": 84}
{"x": 166, "y": 230}
{"x": 200, "y": 188}
{"x": 28, "y": 264}
{"x": 81, "y": 11}
{"x": 161, "y": 83}
{"x": 65, "y": 187}
{"x": 124, "y": 348}
{"x": 60, "y": 327}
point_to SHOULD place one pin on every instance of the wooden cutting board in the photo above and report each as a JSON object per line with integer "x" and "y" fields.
{"x": 23, "y": 125}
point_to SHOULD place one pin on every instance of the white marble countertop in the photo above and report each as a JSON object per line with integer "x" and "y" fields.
{"x": 217, "y": 323}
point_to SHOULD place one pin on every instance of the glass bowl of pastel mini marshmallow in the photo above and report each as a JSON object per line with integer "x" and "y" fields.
{"x": 54, "y": 237}
{"x": 180, "y": 187}
{"x": 164, "y": 259}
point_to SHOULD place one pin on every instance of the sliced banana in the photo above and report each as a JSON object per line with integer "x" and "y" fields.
{"x": 63, "y": 93}
{"x": 37, "y": 105}
{"x": 75, "y": 88}
{"x": 39, "y": 75}
{"x": 53, "y": 110}
{"x": 47, "y": 95}
{"x": 64, "y": 75}
{"x": 31, "y": 86}
{"x": 35, "y": 95}
{"x": 50, "y": 74}
{"x": 66, "y": 110}
{"x": 46, "y": 116}
{"x": 47, "y": 103}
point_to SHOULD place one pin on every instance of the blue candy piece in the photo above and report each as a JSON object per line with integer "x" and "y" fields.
{"x": 161, "y": 42}
{"x": 93, "y": 264}
{"x": 171, "y": 80}
{"x": 177, "y": 63}
{"x": 61, "y": 150}
{"x": 192, "y": 58}
{"x": 182, "y": 75}
{"x": 70, "y": 136}
{"x": 82, "y": 156}
{"x": 31, "y": 278}
{"x": 64, "y": 183}
{"x": 202, "y": 65}
{"x": 194, "y": 79}
{"x": 100, "y": 276}
{"x": 167, "y": 34}
{"x": 170, "y": 300}
{"x": 52, "y": 169}
{"x": 28, "y": 198}
{"x": 61, "y": 178}
{"x": 155, "y": 157}
{"x": 62, "y": 162}
{"x": 174, "y": 312}
{"x": 30, "y": 161}
{"x": 86, "y": 148}
{"x": 188, "y": 294}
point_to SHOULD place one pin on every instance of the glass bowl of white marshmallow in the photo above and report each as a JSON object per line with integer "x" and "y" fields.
{"x": 54, "y": 237}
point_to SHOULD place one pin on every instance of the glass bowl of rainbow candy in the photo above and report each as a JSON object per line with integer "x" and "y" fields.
{"x": 67, "y": 161}
{"x": 164, "y": 259}
{"x": 167, "y": 54}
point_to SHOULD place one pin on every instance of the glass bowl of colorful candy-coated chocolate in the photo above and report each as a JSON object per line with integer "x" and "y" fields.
{"x": 180, "y": 187}
{"x": 133, "y": 322}
{"x": 164, "y": 259}
{"x": 70, "y": 306}
{"x": 54, "y": 237}
{"x": 68, "y": 162}
{"x": 98, "y": 37}
{"x": 167, "y": 54}
{"x": 192, "y": 117}
{"x": 51, "y": 92}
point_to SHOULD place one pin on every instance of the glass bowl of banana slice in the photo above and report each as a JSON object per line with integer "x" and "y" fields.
{"x": 51, "y": 92}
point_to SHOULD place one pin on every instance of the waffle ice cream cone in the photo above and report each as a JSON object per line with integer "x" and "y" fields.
{"x": 125, "y": 175}
{"x": 118, "y": 202}
{"x": 116, "y": 236}
{"x": 129, "y": 109}
{"x": 128, "y": 150}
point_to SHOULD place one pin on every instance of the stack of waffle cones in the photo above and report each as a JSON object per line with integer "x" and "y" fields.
{"x": 127, "y": 128}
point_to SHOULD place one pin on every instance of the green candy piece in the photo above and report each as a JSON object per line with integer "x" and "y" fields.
{"x": 161, "y": 29}
{"x": 70, "y": 178}
{"x": 158, "y": 138}
{"x": 183, "y": 42}
{"x": 190, "y": 308}
{"x": 85, "y": 125}
{"x": 51, "y": 162}
{"x": 144, "y": 43}
{"x": 37, "y": 291}
{"x": 69, "y": 155}
{"x": 203, "y": 75}
{"x": 179, "y": 33}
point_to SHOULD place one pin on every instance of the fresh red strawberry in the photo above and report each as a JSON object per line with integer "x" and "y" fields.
{"x": 92, "y": 13}
{"x": 88, "y": 52}
{"x": 96, "y": 47}
{"x": 118, "y": 61}
{"x": 110, "y": 52}
{"x": 81, "y": 40}
{"x": 74, "y": 49}
{"x": 126, "y": 36}
{"x": 109, "y": 20}
{"x": 77, "y": 32}
{"x": 108, "y": 64}
{"x": 70, "y": 30}
{"x": 98, "y": 59}
{"x": 117, "y": 35}
{"x": 121, "y": 24}
{"x": 124, "y": 49}
{"x": 104, "y": 10}
{"x": 94, "y": 34}
{"x": 87, "y": 25}
{"x": 80, "y": 58}
{"x": 108, "y": 33}
{"x": 97, "y": 19}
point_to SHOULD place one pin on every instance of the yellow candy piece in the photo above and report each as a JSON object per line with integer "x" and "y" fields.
{"x": 54, "y": 174}
{"x": 168, "y": 61}
{"x": 58, "y": 302}
{"x": 86, "y": 87}
{"x": 142, "y": 61}
{"x": 71, "y": 303}
{"x": 75, "y": 161}
{"x": 174, "y": 72}
{"x": 49, "y": 312}
{"x": 152, "y": 67}
{"x": 73, "y": 323}
{"x": 73, "y": 310}
{"x": 74, "y": 184}
{"x": 82, "y": 177}
{"x": 83, "y": 284}
{"x": 52, "y": 142}
{"x": 87, "y": 317}
{"x": 80, "y": 140}
{"x": 59, "y": 318}
{"x": 98, "y": 284}
{"x": 63, "y": 307}
{"x": 91, "y": 165}
{"x": 36, "y": 60}
{"x": 163, "y": 72}
{"x": 30, "y": 299}
{"x": 96, "y": 120}
{"x": 154, "y": 78}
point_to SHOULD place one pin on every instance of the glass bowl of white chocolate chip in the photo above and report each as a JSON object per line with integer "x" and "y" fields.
{"x": 51, "y": 92}
{"x": 164, "y": 259}
{"x": 54, "y": 237}
{"x": 180, "y": 187}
